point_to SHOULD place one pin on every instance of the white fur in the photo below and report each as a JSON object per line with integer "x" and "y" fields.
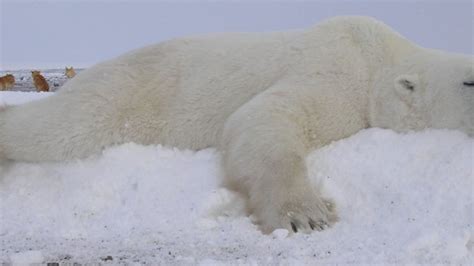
{"x": 264, "y": 99}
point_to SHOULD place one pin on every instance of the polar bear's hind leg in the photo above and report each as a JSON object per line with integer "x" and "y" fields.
{"x": 47, "y": 129}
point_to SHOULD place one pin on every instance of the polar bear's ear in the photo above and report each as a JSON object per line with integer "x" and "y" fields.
{"x": 406, "y": 85}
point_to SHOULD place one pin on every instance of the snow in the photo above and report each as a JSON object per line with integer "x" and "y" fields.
{"x": 17, "y": 97}
{"x": 27, "y": 257}
{"x": 401, "y": 198}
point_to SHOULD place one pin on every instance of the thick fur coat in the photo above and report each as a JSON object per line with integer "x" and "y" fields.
{"x": 7, "y": 82}
{"x": 39, "y": 81}
{"x": 263, "y": 99}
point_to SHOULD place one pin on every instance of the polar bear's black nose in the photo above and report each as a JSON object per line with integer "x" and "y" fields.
{"x": 469, "y": 83}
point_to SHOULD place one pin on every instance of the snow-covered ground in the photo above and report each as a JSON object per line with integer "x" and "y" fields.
{"x": 402, "y": 198}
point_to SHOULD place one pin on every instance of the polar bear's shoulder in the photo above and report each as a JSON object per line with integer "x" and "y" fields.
{"x": 361, "y": 26}
{"x": 373, "y": 37}
{"x": 353, "y": 22}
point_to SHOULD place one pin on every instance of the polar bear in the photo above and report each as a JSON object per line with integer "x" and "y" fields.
{"x": 263, "y": 99}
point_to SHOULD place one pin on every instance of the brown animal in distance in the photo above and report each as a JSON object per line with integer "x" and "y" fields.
{"x": 69, "y": 72}
{"x": 39, "y": 81}
{"x": 7, "y": 82}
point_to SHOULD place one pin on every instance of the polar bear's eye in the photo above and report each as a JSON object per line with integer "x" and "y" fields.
{"x": 468, "y": 83}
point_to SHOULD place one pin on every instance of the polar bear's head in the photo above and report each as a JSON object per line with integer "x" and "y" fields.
{"x": 429, "y": 89}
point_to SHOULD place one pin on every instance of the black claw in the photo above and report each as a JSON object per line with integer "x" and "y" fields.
{"x": 322, "y": 225}
{"x": 311, "y": 224}
{"x": 293, "y": 226}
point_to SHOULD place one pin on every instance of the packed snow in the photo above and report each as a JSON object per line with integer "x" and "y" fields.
{"x": 401, "y": 198}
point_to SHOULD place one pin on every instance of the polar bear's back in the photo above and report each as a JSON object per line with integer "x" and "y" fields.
{"x": 193, "y": 84}
{"x": 220, "y": 73}
{"x": 181, "y": 92}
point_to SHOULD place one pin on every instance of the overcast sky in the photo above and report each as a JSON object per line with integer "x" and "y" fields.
{"x": 39, "y": 34}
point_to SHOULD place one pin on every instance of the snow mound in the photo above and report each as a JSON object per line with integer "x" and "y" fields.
{"x": 401, "y": 198}
{"x": 17, "y": 97}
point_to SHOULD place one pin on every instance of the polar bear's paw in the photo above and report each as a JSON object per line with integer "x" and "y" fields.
{"x": 317, "y": 214}
{"x": 298, "y": 214}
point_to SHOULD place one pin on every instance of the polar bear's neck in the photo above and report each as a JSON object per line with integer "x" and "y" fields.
{"x": 378, "y": 43}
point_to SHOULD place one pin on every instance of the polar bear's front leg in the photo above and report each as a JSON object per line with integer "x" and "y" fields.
{"x": 264, "y": 158}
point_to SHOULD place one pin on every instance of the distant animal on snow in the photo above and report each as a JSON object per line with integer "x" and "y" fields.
{"x": 69, "y": 72}
{"x": 7, "y": 82}
{"x": 39, "y": 81}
